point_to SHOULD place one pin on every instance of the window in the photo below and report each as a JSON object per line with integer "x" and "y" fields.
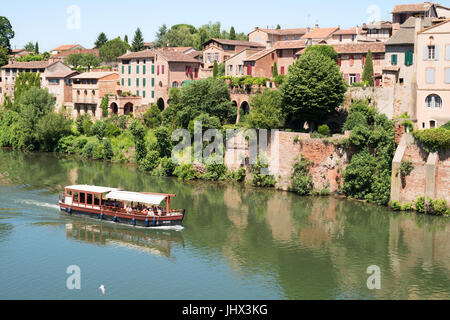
{"x": 129, "y": 82}
{"x": 129, "y": 69}
{"x": 123, "y": 81}
{"x": 431, "y": 52}
{"x": 447, "y": 75}
{"x": 217, "y": 56}
{"x": 53, "y": 81}
{"x": 340, "y": 38}
{"x": 153, "y": 69}
{"x": 230, "y": 69}
{"x": 175, "y": 84}
{"x": 409, "y": 58}
{"x": 143, "y": 70}
{"x": 144, "y": 82}
{"x": 153, "y": 94}
{"x": 394, "y": 60}
{"x": 143, "y": 94}
{"x": 433, "y": 101}
{"x": 282, "y": 70}
{"x": 430, "y": 75}
{"x": 137, "y": 93}
{"x": 162, "y": 69}
{"x": 123, "y": 69}
{"x": 137, "y": 69}
{"x": 352, "y": 78}
{"x": 447, "y": 52}
{"x": 353, "y": 37}
{"x": 153, "y": 82}
{"x": 137, "y": 82}
{"x": 432, "y": 124}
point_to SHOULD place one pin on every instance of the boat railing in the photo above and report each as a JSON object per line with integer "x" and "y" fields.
{"x": 163, "y": 213}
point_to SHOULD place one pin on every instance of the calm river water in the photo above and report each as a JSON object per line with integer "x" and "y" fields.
{"x": 237, "y": 243}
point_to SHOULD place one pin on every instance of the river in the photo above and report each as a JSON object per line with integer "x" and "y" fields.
{"x": 237, "y": 242}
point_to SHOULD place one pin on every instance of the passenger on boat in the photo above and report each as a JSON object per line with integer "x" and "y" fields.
{"x": 129, "y": 210}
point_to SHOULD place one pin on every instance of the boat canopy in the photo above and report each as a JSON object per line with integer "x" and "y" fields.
{"x": 152, "y": 199}
{"x": 93, "y": 189}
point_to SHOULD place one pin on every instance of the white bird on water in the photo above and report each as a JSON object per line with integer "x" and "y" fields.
{"x": 102, "y": 289}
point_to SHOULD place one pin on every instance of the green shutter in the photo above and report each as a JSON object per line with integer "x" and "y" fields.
{"x": 153, "y": 82}
{"x": 123, "y": 81}
{"x": 143, "y": 82}
{"x": 143, "y": 69}
{"x": 129, "y": 69}
{"x": 137, "y": 69}
{"x": 394, "y": 60}
{"x": 153, "y": 69}
{"x": 409, "y": 60}
{"x": 153, "y": 94}
{"x": 137, "y": 82}
{"x": 143, "y": 94}
{"x": 137, "y": 93}
{"x": 123, "y": 69}
{"x": 129, "y": 82}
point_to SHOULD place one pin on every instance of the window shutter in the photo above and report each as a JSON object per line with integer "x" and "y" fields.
{"x": 358, "y": 78}
{"x": 430, "y": 75}
{"x": 447, "y": 51}
{"x": 437, "y": 53}
{"x": 425, "y": 53}
{"x": 447, "y": 75}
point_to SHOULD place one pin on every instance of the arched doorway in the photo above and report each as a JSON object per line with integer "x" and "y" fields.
{"x": 114, "y": 108}
{"x": 161, "y": 105}
{"x": 244, "y": 110}
{"x": 128, "y": 108}
{"x": 234, "y": 104}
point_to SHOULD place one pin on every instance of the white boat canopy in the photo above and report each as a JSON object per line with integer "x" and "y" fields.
{"x": 151, "y": 199}
{"x": 94, "y": 189}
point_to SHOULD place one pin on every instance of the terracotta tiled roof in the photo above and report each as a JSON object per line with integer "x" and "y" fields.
{"x": 138, "y": 55}
{"x": 94, "y": 75}
{"x": 62, "y": 74}
{"x": 346, "y": 32}
{"x": 391, "y": 68}
{"x": 436, "y": 25}
{"x": 320, "y": 33}
{"x": 67, "y": 53}
{"x": 14, "y": 51}
{"x": 375, "y": 47}
{"x": 290, "y": 44}
{"x": 177, "y": 49}
{"x": 176, "y": 56}
{"x": 284, "y": 32}
{"x": 418, "y": 7}
{"x": 29, "y": 65}
{"x": 258, "y": 55}
{"x": 235, "y": 42}
{"x": 66, "y": 47}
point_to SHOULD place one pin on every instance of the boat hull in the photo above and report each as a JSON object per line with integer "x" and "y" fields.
{"x": 150, "y": 222}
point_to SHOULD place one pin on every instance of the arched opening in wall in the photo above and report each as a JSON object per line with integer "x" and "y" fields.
{"x": 128, "y": 108}
{"x": 433, "y": 101}
{"x": 432, "y": 124}
{"x": 114, "y": 108}
{"x": 244, "y": 110}
{"x": 234, "y": 104}
{"x": 161, "y": 105}
{"x": 174, "y": 84}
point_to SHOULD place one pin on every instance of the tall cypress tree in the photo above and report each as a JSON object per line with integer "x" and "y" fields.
{"x": 275, "y": 70}
{"x": 36, "y": 48}
{"x": 232, "y": 34}
{"x": 138, "y": 41}
{"x": 126, "y": 39}
{"x": 101, "y": 40}
{"x": 215, "y": 69}
{"x": 367, "y": 75}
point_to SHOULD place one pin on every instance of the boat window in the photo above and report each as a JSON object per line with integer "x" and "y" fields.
{"x": 96, "y": 200}
{"x": 89, "y": 198}
{"x": 75, "y": 197}
{"x": 82, "y": 197}
{"x": 69, "y": 192}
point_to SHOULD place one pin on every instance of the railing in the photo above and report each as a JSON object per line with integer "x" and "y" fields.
{"x": 137, "y": 213}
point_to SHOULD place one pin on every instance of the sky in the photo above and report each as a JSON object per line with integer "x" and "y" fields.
{"x": 57, "y": 22}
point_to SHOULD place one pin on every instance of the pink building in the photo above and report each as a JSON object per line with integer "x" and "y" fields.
{"x": 319, "y": 35}
{"x": 352, "y": 57}
{"x": 55, "y": 76}
{"x": 433, "y": 76}
{"x": 268, "y": 37}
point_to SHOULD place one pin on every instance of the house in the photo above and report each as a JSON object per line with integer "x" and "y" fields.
{"x": 235, "y": 65}
{"x": 64, "y": 48}
{"x": 148, "y": 45}
{"x": 283, "y": 53}
{"x": 399, "y": 58}
{"x": 19, "y": 53}
{"x": 268, "y": 37}
{"x": 378, "y": 31}
{"x": 402, "y": 12}
{"x": 88, "y": 90}
{"x": 55, "y": 76}
{"x": 352, "y": 58}
{"x": 138, "y": 74}
{"x": 173, "y": 70}
{"x": 345, "y": 36}
{"x": 318, "y": 35}
{"x": 433, "y": 76}
{"x": 63, "y": 55}
{"x": 221, "y": 50}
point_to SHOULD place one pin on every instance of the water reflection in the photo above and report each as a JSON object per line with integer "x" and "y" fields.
{"x": 310, "y": 248}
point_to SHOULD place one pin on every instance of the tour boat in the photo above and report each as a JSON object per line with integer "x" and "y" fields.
{"x": 111, "y": 204}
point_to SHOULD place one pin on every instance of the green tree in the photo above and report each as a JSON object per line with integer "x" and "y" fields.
{"x": 367, "y": 75}
{"x": 89, "y": 61}
{"x": 74, "y": 59}
{"x": 275, "y": 70}
{"x": 138, "y": 131}
{"x": 113, "y": 49}
{"x": 25, "y": 81}
{"x": 125, "y": 39}
{"x": 104, "y": 105}
{"x": 4, "y": 56}
{"x": 6, "y": 33}
{"x": 30, "y": 47}
{"x": 232, "y": 34}
{"x": 314, "y": 88}
{"x": 278, "y": 27}
{"x": 101, "y": 40}
{"x": 266, "y": 111}
{"x": 50, "y": 128}
{"x": 138, "y": 41}
{"x": 325, "y": 50}
{"x": 160, "y": 36}
{"x": 152, "y": 117}
{"x": 99, "y": 130}
{"x": 36, "y": 48}
{"x": 215, "y": 70}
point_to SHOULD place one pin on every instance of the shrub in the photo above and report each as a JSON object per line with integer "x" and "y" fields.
{"x": 446, "y": 126}
{"x": 108, "y": 153}
{"x": 261, "y": 179}
{"x": 324, "y": 130}
{"x": 238, "y": 176}
{"x": 406, "y": 167}
{"x": 99, "y": 129}
{"x": 440, "y": 207}
{"x": 150, "y": 162}
{"x": 395, "y": 205}
{"x": 152, "y": 117}
{"x": 66, "y": 145}
{"x": 215, "y": 172}
{"x": 90, "y": 150}
{"x": 434, "y": 139}
{"x": 80, "y": 143}
{"x": 355, "y": 119}
{"x": 302, "y": 182}
{"x": 167, "y": 167}
{"x": 420, "y": 204}
{"x": 185, "y": 172}
{"x": 112, "y": 129}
